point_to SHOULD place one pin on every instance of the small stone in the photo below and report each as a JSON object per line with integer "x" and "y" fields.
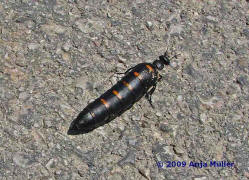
{"x": 48, "y": 124}
{"x": 36, "y": 125}
{"x": 132, "y": 141}
{"x": 50, "y": 164}
{"x": 44, "y": 172}
{"x": 242, "y": 80}
{"x": 66, "y": 56}
{"x": 21, "y": 62}
{"x": 212, "y": 19}
{"x": 246, "y": 32}
{"x": 180, "y": 116}
{"x": 90, "y": 26}
{"x": 58, "y": 172}
{"x": 121, "y": 126}
{"x": 189, "y": 69}
{"x": 135, "y": 118}
{"x": 200, "y": 178}
{"x": 21, "y": 160}
{"x": 174, "y": 130}
{"x": 214, "y": 102}
{"x": 236, "y": 117}
{"x": 23, "y": 95}
{"x": 115, "y": 23}
{"x": 81, "y": 83}
{"x": 29, "y": 24}
{"x": 1, "y": 114}
{"x": 176, "y": 29}
{"x": 159, "y": 114}
{"x": 114, "y": 80}
{"x": 165, "y": 128}
{"x": 203, "y": 117}
{"x": 65, "y": 162}
{"x": 179, "y": 98}
{"x": 53, "y": 28}
{"x": 129, "y": 158}
{"x": 66, "y": 47}
{"x": 33, "y": 46}
{"x": 108, "y": 15}
{"x": 173, "y": 64}
{"x": 115, "y": 176}
{"x": 242, "y": 63}
{"x": 149, "y": 25}
{"x": 66, "y": 108}
{"x": 120, "y": 65}
{"x": 178, "y": 150}
{"x": 168, "y": 150}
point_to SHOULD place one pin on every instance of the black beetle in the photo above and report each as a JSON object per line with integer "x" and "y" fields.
{"x": 138, "y": 81}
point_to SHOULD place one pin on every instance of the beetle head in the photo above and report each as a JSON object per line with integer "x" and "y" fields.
{"x": 163, "y": 60}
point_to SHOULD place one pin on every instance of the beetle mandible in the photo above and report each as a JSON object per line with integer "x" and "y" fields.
{"x": 138, "y": 81}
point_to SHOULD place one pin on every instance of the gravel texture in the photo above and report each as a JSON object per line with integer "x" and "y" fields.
{"x": 56, "y": 56}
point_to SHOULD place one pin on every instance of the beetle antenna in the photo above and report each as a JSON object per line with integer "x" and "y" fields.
{"x": 166, "y": 58}
{"x": 175, "y": 56}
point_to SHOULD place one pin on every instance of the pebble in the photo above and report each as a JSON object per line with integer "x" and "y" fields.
{"x": 50, "y": 164}
{"x": 203, "y": 117}
{"x": 242, "y": 80}
{"x": 136, "y": 118}
{"x": 33, "y": 46}
{"x": 23, "y": 95}
{"x": 129, "y": 158}
{"x": 132, "y": 141}
{"x": 200, "y": 178}
{"x": 159, "y": 114}
{"x": 90, "y": 25}
{"x": 173, "y": 64}
{"x": 21, "y": 160}
{"x": 179, "y": 98}
{"x": 48, "y": 123}
{"x": 176, "y": 29}
{"x": 81, "y": 82}
{"x": 149, "y": 25}
{"x": 58, "y": 172}
{"x": 115, "y": 176}
{"x": 165, "y": 128}
{"x": 36, "y": 125}
{"x": 58, "y": 29}
{"x": 212, "y": 18}
{"x": 66, "y": 47}
{"x": 168, "y": 150}
{"x": 178, "y": 150}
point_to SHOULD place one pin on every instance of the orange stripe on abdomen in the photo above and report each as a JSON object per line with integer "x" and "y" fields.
{"x": 137, "y": 75}
{"x": 150, "y": 68}
{"x": 117, "y": 94}
{"x": 103, "y": 101}
{"x": 127, "y": 85}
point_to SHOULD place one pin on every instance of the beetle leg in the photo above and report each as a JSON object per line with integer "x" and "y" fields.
{"x": 126, "y": 71}
{"x": 148, "y": 95}
{"x": 159, "y": 77}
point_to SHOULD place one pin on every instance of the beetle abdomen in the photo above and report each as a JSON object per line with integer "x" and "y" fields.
{"x": 116, "y": 100}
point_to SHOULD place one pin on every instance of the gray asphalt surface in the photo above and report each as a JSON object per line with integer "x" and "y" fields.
{"x": 56, "y": 56}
